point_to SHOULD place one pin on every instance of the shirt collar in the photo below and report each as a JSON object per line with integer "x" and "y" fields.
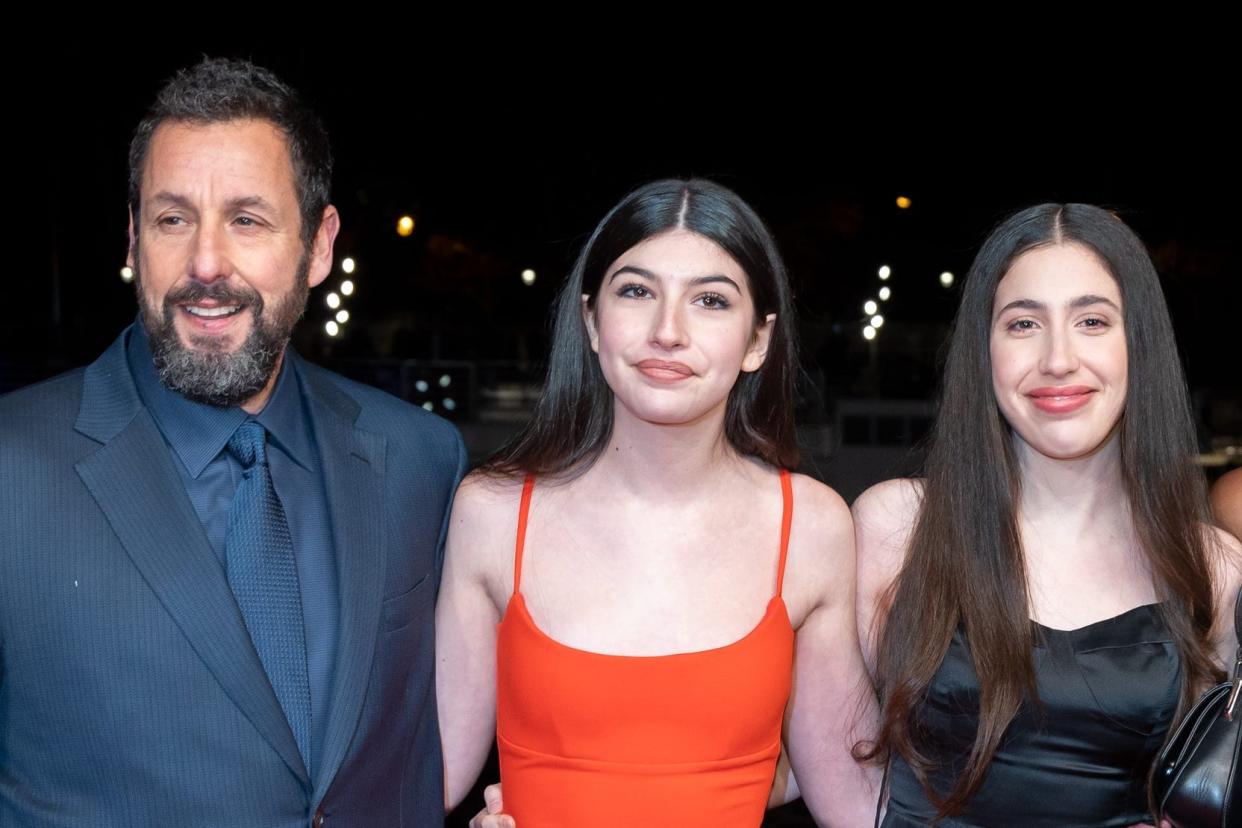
{"x": 286, "y": 417}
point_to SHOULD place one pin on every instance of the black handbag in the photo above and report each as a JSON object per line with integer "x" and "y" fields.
{"x": 1196, "y": 780}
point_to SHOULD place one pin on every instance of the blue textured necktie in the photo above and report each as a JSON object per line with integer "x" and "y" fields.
{"x": 259, "y": 555}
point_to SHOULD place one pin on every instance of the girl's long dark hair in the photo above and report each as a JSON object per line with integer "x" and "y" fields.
{"x": 965, "y": 563}
{"x": 572, "y": 420}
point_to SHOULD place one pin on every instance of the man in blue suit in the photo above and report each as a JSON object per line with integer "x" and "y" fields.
{"x": 218, "y": 563}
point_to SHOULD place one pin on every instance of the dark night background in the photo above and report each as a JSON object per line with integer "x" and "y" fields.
{"x": 506, "y": 164}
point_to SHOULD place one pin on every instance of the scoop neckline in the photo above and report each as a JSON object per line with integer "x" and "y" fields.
{"x": 768, "y": 614}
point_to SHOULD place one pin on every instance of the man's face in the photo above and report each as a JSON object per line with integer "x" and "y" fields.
{"x": 223, "y": 273}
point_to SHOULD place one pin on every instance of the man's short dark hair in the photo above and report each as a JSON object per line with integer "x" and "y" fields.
{"x": 223, "y": 89}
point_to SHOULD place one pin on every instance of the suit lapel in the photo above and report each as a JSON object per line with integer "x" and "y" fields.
{"x": 133, "y": 480}
{"x": 353, "y": 467}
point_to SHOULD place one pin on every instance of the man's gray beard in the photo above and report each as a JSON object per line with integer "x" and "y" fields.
{"x": 211, "y": 376}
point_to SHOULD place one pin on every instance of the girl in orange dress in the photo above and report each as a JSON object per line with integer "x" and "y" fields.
{"x": 639, "y": 600}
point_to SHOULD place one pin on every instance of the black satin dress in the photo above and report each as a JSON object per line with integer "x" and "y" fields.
{"x": 1080, "y": 757}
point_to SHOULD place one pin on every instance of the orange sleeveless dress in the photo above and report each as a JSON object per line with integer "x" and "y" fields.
{"x": 684, "y": 740}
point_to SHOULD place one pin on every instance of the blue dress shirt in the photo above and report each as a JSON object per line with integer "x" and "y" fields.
{"x": 196, "y": 435}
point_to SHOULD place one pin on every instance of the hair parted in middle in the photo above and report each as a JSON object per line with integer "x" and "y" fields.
{"x": 573, "y": 418}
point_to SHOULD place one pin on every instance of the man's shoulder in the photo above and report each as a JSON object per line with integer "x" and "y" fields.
{"x": 37, "y": 426}
{"x": 97, "y": 398}
{"x": 383, "y": 413}
{"x": 54, "y": 401}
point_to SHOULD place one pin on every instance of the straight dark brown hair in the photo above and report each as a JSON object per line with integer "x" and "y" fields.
{"x": 572, "y": 420}
{"x": 965, "y": 564}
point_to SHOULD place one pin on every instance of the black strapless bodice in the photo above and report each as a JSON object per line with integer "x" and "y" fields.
{"x": 1077, "y": 757}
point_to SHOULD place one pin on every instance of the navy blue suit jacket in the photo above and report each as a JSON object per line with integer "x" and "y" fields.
{"x": 130, "y": 693}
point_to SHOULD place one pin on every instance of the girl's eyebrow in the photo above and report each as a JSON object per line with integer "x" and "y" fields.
{"x": 697, "y": 280}
{"x": 1086, "y": 300}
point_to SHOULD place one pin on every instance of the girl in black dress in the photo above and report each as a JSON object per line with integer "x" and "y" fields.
{"x": 1042, "y": 606}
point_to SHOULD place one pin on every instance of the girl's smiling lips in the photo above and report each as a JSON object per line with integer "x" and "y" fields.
{"x": 1060, "y": 399}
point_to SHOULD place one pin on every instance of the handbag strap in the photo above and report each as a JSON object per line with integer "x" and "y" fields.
{"x": 1237, "y": 629}
{"x": 1231, "y": 704}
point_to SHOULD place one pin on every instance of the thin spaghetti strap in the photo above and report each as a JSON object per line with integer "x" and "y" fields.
{"x": 786, "y": 522}
{"x": 527, "y": 488}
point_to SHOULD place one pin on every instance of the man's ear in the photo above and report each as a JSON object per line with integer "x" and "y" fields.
{"x": 131, "y": 255}
{"x": 321, "y": 246}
